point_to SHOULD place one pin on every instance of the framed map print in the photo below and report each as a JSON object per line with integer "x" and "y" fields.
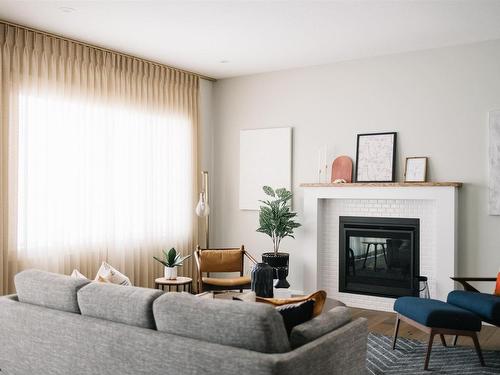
{"x": 416, "y": 169}
{"x": 376, "y": 157}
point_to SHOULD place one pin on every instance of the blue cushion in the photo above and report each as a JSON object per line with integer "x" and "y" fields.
{"x": 487, "y": 306}
{"x": 437, "y": 314}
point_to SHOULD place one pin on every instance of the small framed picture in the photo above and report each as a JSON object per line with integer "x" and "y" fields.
{"x": 376, "y": 157}
{"x": 416, "y": 169}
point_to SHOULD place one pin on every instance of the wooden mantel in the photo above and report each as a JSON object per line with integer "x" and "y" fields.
{"x": 384, "y": 184}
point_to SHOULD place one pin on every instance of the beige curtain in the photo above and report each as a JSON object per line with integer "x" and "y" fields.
{"x": 98, "y": 159}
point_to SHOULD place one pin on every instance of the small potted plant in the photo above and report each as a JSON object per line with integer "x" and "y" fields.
{"x": 277, "y": 221}
{"x": 171, "y": 260}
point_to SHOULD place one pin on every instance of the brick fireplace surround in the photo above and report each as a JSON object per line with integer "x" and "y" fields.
{"x": 435, "y": 204}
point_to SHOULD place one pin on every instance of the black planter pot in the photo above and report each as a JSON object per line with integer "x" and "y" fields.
{"x": 262, "y": 280}
{"x": 279, "y": 262}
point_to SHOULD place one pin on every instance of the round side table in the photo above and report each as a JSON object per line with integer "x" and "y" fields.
{"x": 182, "y": 283}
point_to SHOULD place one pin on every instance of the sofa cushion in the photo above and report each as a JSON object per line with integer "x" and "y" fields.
{"x": 437, "y": 314}
{"x": 252, "y": 326}
{"x": 296, "y": 313}
{"x": 319, "y": 326}
{"x": 78, "y": 275}
{"x": 123, "y": 304}
{"x": 108, "y": 274}
{"x": 48, "y": 289}
{"x": 486, "y": 306}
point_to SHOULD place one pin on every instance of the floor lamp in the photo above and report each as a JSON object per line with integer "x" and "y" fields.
{"x": 202, "y": 208}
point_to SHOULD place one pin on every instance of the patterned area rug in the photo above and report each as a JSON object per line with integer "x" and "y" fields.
{"x": 408, "y": 358}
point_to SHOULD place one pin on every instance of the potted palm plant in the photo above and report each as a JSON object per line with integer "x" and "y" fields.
{"x": 277, "y": 221}
{"x": 171, "y": 260}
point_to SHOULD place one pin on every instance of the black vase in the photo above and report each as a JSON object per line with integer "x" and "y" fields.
{"x": 279, "y": 262}
{"x": 262, "y": 280}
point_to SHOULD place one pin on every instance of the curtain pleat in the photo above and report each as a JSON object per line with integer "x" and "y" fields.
{"x": 66, "y": 83}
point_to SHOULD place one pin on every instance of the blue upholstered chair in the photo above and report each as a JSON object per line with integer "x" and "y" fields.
{"x": 486, "y": 306}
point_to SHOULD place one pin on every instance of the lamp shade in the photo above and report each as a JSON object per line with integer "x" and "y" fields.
{"x": 202, "y": 208}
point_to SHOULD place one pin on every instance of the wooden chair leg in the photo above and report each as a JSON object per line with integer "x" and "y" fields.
{"x": 396, "y": 329}
{"x": 366, "y": 255}
{"x": 429, "y": 349}
{"x": 385, "y": 257}
{"x": 352, "y": 261}
{"x": 443, "y": 341}
{"x": 455, "y": 339}
{"x": 478, "y": 348}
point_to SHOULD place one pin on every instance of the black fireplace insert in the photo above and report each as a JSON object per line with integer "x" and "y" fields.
{"x": 379, "y": 256}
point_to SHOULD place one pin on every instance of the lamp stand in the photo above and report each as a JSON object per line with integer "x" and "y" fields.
{"x": 207, "y": 218}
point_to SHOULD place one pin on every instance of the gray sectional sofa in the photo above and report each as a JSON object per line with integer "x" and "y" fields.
{"x": 60, "y": 325}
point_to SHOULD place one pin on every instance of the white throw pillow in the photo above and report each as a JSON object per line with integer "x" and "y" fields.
{"x": 112, "y": 275}
{"x": 77, "y": 275}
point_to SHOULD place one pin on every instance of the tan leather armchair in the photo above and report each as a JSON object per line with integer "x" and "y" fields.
{"x": 319, "y": 298}
{"x": 221, "y": 260}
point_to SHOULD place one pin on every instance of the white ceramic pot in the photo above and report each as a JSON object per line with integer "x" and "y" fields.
{"x": 170, "y": 273}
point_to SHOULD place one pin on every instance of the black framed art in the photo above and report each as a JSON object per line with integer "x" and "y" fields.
{"x": 376, "y": 157}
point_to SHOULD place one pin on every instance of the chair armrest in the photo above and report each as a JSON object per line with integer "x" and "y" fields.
{"x": 252, "y": 259}
{"x": 464, "y": 281}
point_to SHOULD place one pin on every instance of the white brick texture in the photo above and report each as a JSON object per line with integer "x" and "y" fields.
{"x": 329, "y": 211}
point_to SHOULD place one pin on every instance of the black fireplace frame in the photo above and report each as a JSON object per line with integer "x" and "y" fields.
{"x": 379, "y": 224}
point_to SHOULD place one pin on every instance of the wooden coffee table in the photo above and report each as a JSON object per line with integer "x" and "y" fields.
{"x": 185, "y": 283}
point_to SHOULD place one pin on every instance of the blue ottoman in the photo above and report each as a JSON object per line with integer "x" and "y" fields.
{"x": 437, "y": 318}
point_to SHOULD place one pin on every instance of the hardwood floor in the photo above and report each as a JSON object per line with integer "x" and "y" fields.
{"x": 383, "y": 322}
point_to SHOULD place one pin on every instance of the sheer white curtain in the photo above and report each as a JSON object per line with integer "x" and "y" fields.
{"x": 100, "y": 160}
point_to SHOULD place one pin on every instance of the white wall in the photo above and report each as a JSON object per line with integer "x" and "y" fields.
{"x": 437, "y": 101}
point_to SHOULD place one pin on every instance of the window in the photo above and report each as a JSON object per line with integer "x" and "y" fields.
{"x": 93, "y": 176}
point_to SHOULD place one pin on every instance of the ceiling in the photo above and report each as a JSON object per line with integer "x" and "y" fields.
{"x": 231, "y": 38}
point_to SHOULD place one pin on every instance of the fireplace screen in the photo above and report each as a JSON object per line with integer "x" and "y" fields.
{"x": 379, "y": 256}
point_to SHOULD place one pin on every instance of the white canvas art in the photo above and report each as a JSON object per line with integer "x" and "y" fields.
{"x": 375, "y": 158}
{"x": 494, "y": 158}
{"x": 265, "y": 159}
